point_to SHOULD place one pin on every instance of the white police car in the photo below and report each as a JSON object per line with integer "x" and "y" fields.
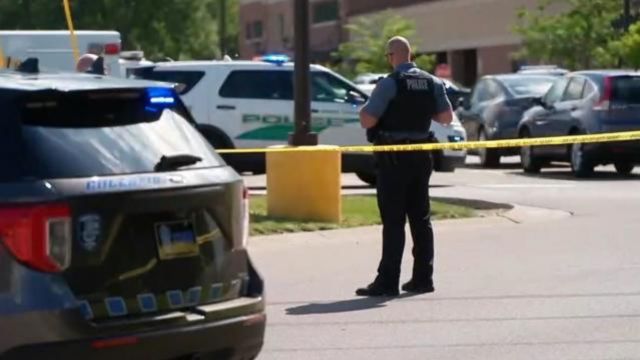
{"x": 249, "y": 104}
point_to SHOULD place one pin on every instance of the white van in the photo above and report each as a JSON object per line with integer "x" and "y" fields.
{"x": 54, "y": 50}
{"x": 249, "y": 104}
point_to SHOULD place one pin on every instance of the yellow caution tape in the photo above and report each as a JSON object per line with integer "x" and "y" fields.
{"x": 74, "y": 38}
{"x": 494, "y": 144}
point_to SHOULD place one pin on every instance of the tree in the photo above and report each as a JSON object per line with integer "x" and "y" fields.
{"x": 627, "y": 48}
{"x": 577, "y": 38}
{"x": 365, "y": 52}
{"x": 180, "y": 29}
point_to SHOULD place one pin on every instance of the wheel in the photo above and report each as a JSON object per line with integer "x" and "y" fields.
{"x": 441, "y": 164}
{"x": 216, "y": 138}
{"x": 367, "y": 177}
{"x": 530, "y": 163}
{"x": 489, "y": 158}
{"x": 581, "y": 166}
{"x": 624, "y": 168}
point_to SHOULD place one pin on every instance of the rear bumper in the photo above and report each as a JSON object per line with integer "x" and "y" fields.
{"x": 614, "y": 152}
{"x": 240, "y": 337}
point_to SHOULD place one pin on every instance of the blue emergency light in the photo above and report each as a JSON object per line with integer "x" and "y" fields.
{"x": 278, "y": 59}
{"x": 161, "y": 96}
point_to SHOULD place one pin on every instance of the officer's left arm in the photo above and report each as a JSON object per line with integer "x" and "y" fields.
{"x": 373, "y": 110}
{"x": 444, "y": 111}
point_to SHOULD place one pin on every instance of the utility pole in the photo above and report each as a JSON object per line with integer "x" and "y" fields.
{"x": 302, "y": 134}
{"x": 627, "y": 15}
{"x": 223, "y": 28}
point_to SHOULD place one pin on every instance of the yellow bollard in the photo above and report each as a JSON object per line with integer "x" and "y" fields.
{"x": 305, "y": 186}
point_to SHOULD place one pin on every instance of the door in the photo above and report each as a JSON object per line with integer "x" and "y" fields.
{"x": 541, "y": 121}
{"x": 562, "y": 119}
{"x": 335, "y": 110}
{"x": 255, "y": 107}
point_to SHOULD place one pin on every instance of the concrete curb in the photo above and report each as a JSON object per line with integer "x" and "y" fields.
{"x": 517, "y": 215}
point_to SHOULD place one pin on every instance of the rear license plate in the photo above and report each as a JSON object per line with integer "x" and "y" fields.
{"x": 176, "y": 239}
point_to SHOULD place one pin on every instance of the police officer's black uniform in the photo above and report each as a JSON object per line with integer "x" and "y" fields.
{"x": 403, "y": 184}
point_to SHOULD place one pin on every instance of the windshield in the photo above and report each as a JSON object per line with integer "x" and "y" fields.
{"x": 529, "y": 85}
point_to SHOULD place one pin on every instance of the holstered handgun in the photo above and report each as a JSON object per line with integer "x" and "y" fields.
{"x": 387, "y": 157}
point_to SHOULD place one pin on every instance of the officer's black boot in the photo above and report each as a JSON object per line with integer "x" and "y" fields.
{"x": 418, "y": 287}
{"x": 376, "y": 289}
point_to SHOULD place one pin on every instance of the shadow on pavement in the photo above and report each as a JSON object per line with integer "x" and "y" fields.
{"x": 499, "y": 167}
{"x": 474, "y": 204}
{"x": 508, "y": 166}
{"x": 567, "y": 175}
{"x": 351, "y": 305}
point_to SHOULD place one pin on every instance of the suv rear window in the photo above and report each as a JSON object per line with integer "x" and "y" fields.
{"x": 258, "y": 84}
{"x": 188, "y": 79}
{"x": 626, "y": 89}
{"x": 98, "y": 133}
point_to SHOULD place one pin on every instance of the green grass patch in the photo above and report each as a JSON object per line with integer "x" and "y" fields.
{"x": 357, "y": 210}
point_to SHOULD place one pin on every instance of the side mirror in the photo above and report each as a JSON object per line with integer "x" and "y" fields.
{"x": 355, "y": 98}
{"x": 180, "y": 88}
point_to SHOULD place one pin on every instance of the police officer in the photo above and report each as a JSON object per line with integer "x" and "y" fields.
{"x": 400, "y": 111}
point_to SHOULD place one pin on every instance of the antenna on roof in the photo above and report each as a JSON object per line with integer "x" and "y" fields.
{"x": 98, "y": 67}
{"x": 29, "y": 66}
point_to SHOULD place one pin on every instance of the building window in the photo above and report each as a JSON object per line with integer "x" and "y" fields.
{"x": 257, "y": 29}
{"x": 281, "y": 26}
{"x": 253, "y": 30}
{"x": 325, "y": 11}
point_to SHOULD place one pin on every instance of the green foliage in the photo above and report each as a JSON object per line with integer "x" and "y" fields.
{"x": 180, "y": 29}
{"x": 628, "y": 47}
{"x": 357, "y": 210}
{"x": 578, "y": 38}
{"x": 365, "y": 53}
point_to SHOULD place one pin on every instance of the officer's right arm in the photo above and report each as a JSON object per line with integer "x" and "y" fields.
{"x": 444, "y": 111}
{"x": 373, "y": 110}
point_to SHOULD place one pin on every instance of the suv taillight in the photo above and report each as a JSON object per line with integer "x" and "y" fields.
{"x": 38, "y": 235}
{"x": 604, "y": 104}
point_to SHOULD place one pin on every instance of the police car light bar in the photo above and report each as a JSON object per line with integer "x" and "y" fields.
{"x": 161, "y": 96}
{"x": 275, "y": 58}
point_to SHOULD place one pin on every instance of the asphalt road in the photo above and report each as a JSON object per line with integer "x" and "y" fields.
{"x": 545, "y": 287}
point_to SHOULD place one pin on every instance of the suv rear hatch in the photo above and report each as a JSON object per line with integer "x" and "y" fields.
{"x": 146, "y": 217}
{"x": 619, "y": 106}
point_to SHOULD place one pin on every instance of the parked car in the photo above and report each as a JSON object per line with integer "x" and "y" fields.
{"x": 249, "y": 104}
{"x": 368, "y": 78}
{"x": 585, "y": 102}
{"x": 122, "y": 233}
{"x": 496, "y": 107}
{"x": 552, "y": 70}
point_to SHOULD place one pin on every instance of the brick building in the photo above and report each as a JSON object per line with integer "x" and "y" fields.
{"x": 267, "y": 26}
{"x": 474, "y": 37}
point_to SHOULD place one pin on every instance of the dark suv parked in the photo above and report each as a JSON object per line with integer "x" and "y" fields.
{"x": 585, "y": 102}
{"x": 122, "y": 233}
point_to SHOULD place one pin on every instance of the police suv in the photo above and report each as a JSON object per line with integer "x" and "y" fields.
{"x": 122, "y": 233}
{"x": 249, "y": 104}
